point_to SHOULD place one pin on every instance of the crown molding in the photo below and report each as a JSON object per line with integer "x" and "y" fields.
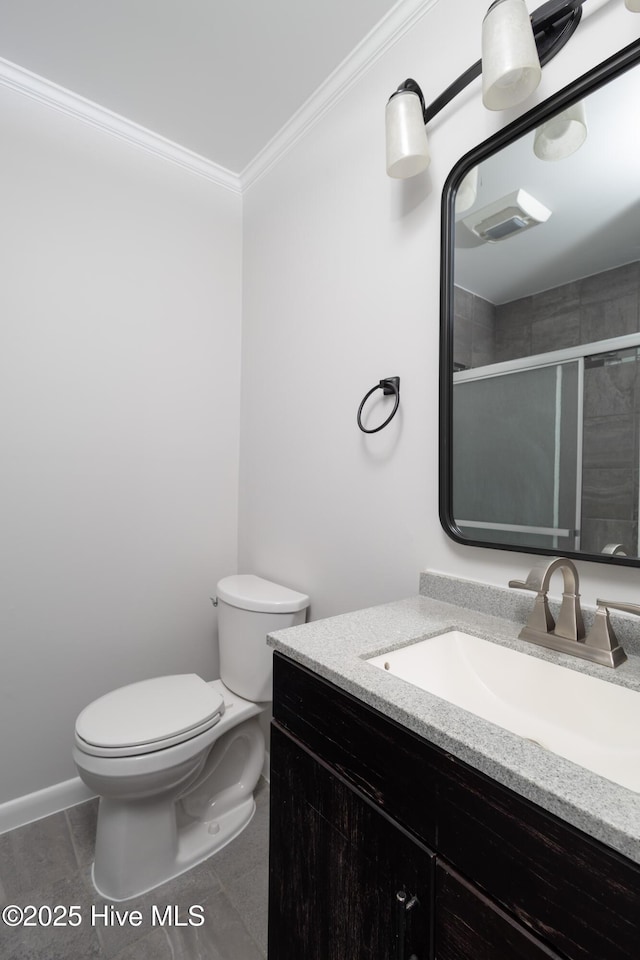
{"x": 397, "y": 22}
{"x": 58, "y": 98}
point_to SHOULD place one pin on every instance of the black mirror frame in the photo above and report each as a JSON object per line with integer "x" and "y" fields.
{"x": 622, "y": 61}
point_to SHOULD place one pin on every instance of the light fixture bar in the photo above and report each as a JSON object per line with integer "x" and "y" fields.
{"x": 452, "y": 91}
{"x": 553, "y": 24}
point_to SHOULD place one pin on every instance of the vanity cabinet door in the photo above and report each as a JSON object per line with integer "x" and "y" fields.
{"x": 468, "y": 926}
{"x": 337, "y": 866}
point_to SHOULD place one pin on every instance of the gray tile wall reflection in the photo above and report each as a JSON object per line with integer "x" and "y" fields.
{"x": 594, "y": 308}
{"x": 473, "y": 329}
{"x": 610, "y": 455}
{"x": 49, "y": 862}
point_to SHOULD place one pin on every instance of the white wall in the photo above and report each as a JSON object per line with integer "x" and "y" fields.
{"x": 120, "y": 375}
{"x": 341, "y": 288}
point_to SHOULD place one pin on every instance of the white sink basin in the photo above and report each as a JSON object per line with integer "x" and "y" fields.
{"x": 589, "y": 721}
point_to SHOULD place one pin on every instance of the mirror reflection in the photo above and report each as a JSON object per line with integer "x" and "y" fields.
{"x": 544, "y": 355}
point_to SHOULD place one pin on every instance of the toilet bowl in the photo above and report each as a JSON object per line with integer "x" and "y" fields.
{"x": 175, "y": 760}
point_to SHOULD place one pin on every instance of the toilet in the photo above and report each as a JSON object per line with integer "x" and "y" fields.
{"x": 175, "y": 759}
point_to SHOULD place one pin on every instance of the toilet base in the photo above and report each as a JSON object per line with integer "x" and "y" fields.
{"x": 126, "y": 871}
{"x": 164, "y": 812}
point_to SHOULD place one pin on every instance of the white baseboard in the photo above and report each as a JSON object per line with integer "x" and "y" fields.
{"x": 42, "y": 803}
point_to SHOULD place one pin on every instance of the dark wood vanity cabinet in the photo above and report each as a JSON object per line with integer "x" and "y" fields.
{"x": 346, "y": 882}
{"x": 363, "y": 809}
{"x": 469, "y": 926}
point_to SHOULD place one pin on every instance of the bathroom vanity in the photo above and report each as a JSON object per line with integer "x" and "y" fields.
{"x": 404, "y": 827}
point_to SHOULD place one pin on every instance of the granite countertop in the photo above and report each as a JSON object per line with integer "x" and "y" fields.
{"x": 337, "y": 648}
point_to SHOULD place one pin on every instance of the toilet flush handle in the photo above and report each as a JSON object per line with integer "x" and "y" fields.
{"x": 214, "y": 601}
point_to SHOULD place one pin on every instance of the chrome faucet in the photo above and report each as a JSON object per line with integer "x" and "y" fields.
{"x": 568, "y": 634}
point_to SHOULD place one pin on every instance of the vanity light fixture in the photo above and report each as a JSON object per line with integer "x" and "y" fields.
{"x": 510, "y": 64}
{"x": 467, "y": 191}
{"x": 562, "y": 135}
{"x": 515, "y": 47}
{"x": 407, "y": 147}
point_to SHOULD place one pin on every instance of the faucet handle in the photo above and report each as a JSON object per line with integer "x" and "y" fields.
{"x": 535, "y": 579}
{"x": 602, "y": 635}
{"x": 541, "y": 618}
{"x": 625, "y": 607}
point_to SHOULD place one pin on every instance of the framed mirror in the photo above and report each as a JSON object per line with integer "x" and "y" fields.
{"x": 540, "y": 327}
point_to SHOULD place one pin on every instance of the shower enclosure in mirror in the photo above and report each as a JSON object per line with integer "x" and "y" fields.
{"x": 540, "y": 348}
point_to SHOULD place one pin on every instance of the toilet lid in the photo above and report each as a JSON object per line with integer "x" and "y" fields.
{"x": 151, "y": 712}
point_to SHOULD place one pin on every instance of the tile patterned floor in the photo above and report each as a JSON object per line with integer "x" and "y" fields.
{"x": 49, "y": 862}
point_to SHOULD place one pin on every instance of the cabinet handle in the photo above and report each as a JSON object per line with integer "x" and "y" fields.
{"x": 404, "y": 904}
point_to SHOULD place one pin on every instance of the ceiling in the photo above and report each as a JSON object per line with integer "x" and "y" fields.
{"x": 219, "y": 77}
{"x": 593, "y": 195}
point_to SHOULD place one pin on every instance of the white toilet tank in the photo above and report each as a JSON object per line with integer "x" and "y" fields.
{"x": 248, "y": 609}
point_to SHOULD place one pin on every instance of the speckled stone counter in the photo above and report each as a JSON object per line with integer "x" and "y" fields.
{"x": 337, "y": 648}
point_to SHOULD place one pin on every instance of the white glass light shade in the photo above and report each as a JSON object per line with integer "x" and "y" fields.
{"x": 510, "y": 64}
{"x": 633, "y": 5}
{"x": 407, "y": 147}
{"x": 467, "y": 191}
{"x": 562, "y": 135}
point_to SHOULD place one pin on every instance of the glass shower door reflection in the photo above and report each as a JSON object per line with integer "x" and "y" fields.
{"x": 509, "y": 479}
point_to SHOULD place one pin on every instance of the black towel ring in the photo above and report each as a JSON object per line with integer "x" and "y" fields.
{"x": 389, "y": 386}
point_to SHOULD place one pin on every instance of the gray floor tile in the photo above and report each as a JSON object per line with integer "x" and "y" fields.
{"x": 48, "y": 862}
{"x": 249, "y": 895}
{"x": 82, "y": 820}
{"x": 46, "y": 942}
{"x": 223, "y": 935}
{"x": 35, "y": 856}
{"x": 191, "y": 888}
{"x": 154, "y": 946}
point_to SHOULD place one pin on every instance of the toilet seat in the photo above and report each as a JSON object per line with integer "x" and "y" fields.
{"x": 148, "y": 716}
